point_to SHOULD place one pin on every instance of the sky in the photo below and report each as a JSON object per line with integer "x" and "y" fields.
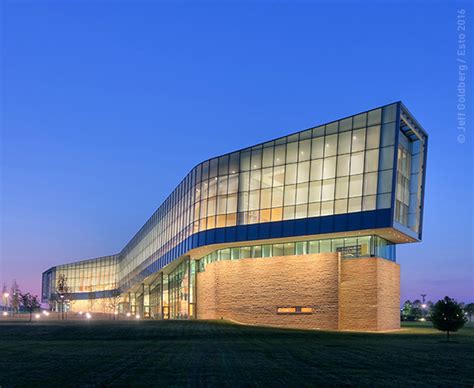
{"x": 106, "y": 105}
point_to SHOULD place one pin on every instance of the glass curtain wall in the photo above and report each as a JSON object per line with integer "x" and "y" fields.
{"x": 409, "y": 181}
{"x": 342, "y": 167}
{"x": 351, "y": 247}
{"x": 179, "y": 291}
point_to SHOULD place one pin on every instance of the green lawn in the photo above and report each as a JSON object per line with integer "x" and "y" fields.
{"x": 194, "y": 353}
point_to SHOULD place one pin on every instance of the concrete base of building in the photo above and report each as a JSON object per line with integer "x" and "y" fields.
{"x": 316, "y": 291}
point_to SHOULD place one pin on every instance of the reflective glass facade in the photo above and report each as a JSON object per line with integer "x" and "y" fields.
{"x": 350, "y": 248}
{"x": 364, "y": 172}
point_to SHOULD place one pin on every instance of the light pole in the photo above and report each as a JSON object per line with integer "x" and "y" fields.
{"x": 423, "y": 306}
{"x": 6, "y": 295}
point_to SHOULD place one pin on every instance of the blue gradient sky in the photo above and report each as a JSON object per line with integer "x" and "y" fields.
{"x": 106, "y": 106}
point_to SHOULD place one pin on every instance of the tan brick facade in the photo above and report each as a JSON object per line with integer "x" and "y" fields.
{"x": 353, "y": 294}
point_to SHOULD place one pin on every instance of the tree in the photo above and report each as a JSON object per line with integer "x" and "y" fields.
{"x": 469, "y": 309}
{"x": 5, "y": 296}
{"x": 15, "y": 296}
{"x": 92, "y": 300}
{"x": 113, "y": 302}
{"x": 62, "y": 293}
{"x": 29, "y": 302}
{"x": 411, "y": 311}
{"x": 447, "y": 315}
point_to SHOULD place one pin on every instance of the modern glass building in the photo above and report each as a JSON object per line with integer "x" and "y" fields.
{"x": 346, "y": 192}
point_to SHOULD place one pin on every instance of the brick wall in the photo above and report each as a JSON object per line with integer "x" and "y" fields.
{"x": 251, "y": 290}
{"x": 355, "y": 294}
{"x": 369, "y": 295}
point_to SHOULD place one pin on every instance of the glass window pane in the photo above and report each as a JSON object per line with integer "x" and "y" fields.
{"x": 370, "y": 183}
{"x": 332, "y": 128}
{"x": 280, "y": 154}
{"x": 255, "y": 179}
{"x": 277, "y": 250}
{"x": 243, "y": 201}
{"x": 329, "y": 167}
{"x": 213, "y": 168}
{"x": 386, "y": 158}
{"x": 317, "y": 170}
{"x": 291, "y": 152}
{"x": 290, "y": 176}
{"x": 234, "y": 163}
{"x": 342, "y": 187}
{"x": 383, "y": 201}
{"x": 288, "y": 212}
{"x": 314, "y": 209}
{"x": 315, "y": 191}
{"x": 340, "y": 206}
{"x": 355, "y": 186}
{"x": 330, "y": 146}
{"x": 278, "y": 176}
{"x": 374, "y": 117}
{"x": 373, "y": 137}
{"x": 371, "y": 160}
{"x": 355, "y": 205}
{"x": 244, "y": 181}
{"x": 212, "y": 187}
{"x": 384, "y": 182}
{"x": 325, "y": 246}
{"x": 345, "y": 125}
{"x": 256, "y": 159}
{"x": 224, "y": 165}
{"x": 302, "y": 194}
{"x": 317, "y": 150}
{"x": 344, "y": 143}
{"x": 245, "y": 161}
{"x": 303, "y": 172}
{"x": 233, "y": 183}
{"x": 343, "y": 163}
{"x": 305, "y": 150}
{"x": 313, "y": 247}
{"x": 266, "y": 251}
{"x": 222, "y": 185}
{"x": 254, "y": 198}
{"x": 268, "y": 157}
{"x": 267, "y": 177}
{"x": 265, "y": 200}
{"x": 389, "y": 113}
{"x": 277, "y": 197}
{"x": 388, "y": 134}
{"x": 328, "y": 189}
{"x": 301, "y": 211}
{"x": 301, "y": 248}
{"x": 357, "y": 163}
{"x": 232, "y": 203}
{"x": 221, "y": 204}
{"x": 358, "y": 140}
{"x": 290, "y": 195}
{"x": 369, "y": 202}
{"x": 327, "y": 208}
{"x": 360, "y": 120}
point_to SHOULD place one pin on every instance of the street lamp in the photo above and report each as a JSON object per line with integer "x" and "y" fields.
{"x": 5, "y": 299}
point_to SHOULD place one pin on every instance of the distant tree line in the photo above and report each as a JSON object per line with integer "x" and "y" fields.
{"x": 416, "y": 310}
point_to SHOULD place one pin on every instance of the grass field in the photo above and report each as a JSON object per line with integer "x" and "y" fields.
{"x": 196, "y": 353}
